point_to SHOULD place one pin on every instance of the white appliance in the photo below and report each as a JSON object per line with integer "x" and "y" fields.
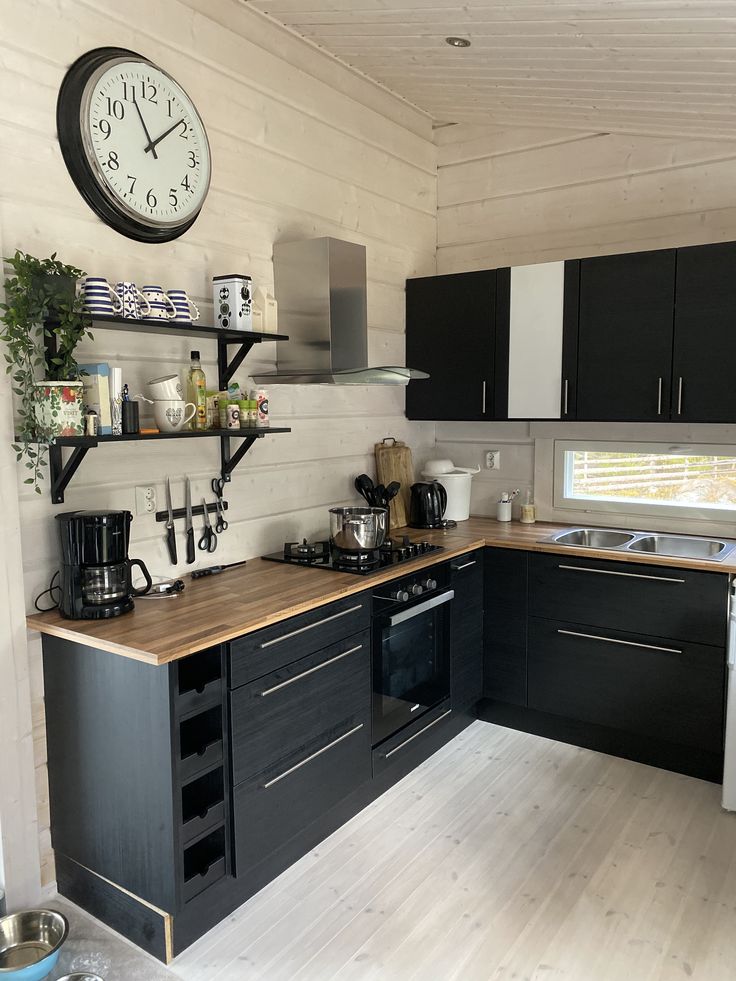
{"x": 457, "y": 483}
{"x": 729, "y": 765}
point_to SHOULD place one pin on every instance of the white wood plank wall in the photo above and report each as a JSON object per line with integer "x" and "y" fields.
{"x": 518, "y": 196}
{"x": 302, "y": 147}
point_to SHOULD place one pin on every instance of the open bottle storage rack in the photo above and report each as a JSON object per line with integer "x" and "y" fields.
{"x": 62, "y": 471}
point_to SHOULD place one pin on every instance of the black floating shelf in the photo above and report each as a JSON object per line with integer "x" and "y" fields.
{"x": 90, "y": 441}
{"x": 185, "y": 330}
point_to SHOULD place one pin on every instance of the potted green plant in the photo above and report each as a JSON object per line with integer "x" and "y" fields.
{"x": 42, "y": 322}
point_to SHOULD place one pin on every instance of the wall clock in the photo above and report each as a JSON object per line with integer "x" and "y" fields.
{"x": 134, "y": 144}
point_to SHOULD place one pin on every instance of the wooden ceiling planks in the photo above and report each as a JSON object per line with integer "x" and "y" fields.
{"x": 626, "y": 66}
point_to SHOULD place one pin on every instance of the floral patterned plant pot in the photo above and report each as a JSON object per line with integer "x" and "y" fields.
{"x": 59, "y": 408}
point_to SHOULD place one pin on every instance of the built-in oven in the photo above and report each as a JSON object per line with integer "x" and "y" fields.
{"x": 411, "y": 649}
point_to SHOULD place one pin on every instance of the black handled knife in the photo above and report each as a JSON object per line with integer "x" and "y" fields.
{"x": 170, "y": 529}
{"x": 190, "y": 523}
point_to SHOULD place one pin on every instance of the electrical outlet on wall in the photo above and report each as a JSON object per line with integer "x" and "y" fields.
{"x": 145, "y": 500}
{"x": 493, "y": 459}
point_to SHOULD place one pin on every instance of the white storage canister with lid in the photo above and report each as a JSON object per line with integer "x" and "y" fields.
{"x": 456, "y": 481}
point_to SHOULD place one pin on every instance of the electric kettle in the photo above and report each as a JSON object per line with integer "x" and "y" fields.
{"x": 427, "y": 505}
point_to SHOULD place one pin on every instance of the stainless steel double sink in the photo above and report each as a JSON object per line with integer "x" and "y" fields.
{"x": 612, "y": 540}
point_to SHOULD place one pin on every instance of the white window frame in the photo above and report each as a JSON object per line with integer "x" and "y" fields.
{"x": 597, "y": 505}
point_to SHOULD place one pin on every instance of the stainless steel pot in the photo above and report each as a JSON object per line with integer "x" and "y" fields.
{"x": 358, "y": 529}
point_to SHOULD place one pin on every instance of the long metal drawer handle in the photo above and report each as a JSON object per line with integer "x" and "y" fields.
{"x": 659, "y": 396}
{"x": 465, "y": 565}
{"x": 310, "y": 626}
{"x": 679, "y": 397}
{"x": 304, "y": 674}
{"x": 415, "y": 611}
{"x": 628, "y": 575}
{"x": 567, "y": 385}
{"x": 626, "y": 643}
{"x": 298, "y": 766}
{"x": 416, "y": 734}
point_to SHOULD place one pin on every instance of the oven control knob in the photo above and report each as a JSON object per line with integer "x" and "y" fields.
{"x": 416, "y": 589}
{"x": 429, "y": 584}
{"x": 400, "y": 595}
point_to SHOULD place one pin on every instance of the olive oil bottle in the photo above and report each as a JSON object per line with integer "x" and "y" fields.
{"x": 197, "y": 392}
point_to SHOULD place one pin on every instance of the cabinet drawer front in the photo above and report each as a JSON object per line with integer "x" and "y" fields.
{"x": 265, "y": 650}
{"x": 282, "y": 717}
{"x": 644, "y": 599}
{"x": 644, "y": 685}
{"x": 270, "y": 810}
{"x": 466, "y": 628}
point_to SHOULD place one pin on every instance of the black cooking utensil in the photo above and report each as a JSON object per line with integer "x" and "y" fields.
{"x": 214, "y": 570}
{"x": 392, "y": 490}
{"x": 380, "y": 496}
{"x": 365, "y": 487}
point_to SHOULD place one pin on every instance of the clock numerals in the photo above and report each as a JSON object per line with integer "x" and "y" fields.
{"x": 173, "y": 199}
{"x": 193, "y": 162}
{"x": 115, "y": 108}
{"x": 112, "y": 160}
{"x": 170, "y": 108}
{"x": 151, "y": 199}
{"x": 149, "y": 92}
{"x": 186, "y": 185}
{"x": 128, "y": 91}
{"x": 105, "y": 128}
{"x": 132, "y": 183}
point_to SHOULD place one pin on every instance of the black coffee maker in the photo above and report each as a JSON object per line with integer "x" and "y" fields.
{"x": 95, "y": 568}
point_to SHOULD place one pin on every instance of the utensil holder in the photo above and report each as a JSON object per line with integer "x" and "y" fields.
{"x": 503, "y": 511}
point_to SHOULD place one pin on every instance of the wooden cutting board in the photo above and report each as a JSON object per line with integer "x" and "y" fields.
{"x": 394, "y": 462}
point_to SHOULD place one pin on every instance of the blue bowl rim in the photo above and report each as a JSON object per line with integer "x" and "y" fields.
{"x": 54, "y": 950}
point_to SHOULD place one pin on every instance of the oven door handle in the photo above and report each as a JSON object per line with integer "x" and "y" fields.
{"x": 416, "y": 611}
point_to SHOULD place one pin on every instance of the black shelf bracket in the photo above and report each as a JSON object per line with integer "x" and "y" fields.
{"x": 61, "y": 473}
{"x": 230, "y": 462}
{"x": 226, "y": 369}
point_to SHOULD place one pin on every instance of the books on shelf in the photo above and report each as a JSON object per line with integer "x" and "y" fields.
{"x": 96, "y": 380}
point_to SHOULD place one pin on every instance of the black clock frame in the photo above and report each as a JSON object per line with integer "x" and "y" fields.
{"x": 68, "y": 126}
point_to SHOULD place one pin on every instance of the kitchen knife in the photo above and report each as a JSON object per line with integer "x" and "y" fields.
{"x": 189, "y": 523}
{"x": 214, "y": 570}
{"x": 170, "y": 529}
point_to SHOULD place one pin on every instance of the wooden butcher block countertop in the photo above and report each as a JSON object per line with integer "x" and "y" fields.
{"x": 219, "y": 608}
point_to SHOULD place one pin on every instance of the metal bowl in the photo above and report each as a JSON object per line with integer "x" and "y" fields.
{"x": 30, "y": 943}
{"x": 84, "y": 976}
{"x": 358, "y": 529}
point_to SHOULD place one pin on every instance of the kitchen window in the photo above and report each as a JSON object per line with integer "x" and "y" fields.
{"x": 692, "y": 481}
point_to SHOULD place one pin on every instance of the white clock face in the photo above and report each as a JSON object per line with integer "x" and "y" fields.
{"x": 145, "y": 143}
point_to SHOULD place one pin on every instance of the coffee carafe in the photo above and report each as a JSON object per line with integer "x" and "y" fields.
{"x": 95, "y": 575}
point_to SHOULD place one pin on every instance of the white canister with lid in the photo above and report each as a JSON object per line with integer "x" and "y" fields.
{"x": 457, "y": 483}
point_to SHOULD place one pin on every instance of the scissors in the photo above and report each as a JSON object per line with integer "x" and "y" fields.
{"x": 218, "y": 485}
{"x": 208, "y": 541}
{"x": 220, "y": 525}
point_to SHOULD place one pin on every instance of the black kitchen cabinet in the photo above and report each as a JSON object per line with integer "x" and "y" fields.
{"x": 705, "y": 340}
{"x": 457, "y": 330}
{"x": 466, "y": 631}
{"x": 505, "y": 625}
{"x": 620, "y": 363}
{"x": 648, "y": 686}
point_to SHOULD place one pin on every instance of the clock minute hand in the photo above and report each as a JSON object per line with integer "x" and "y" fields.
{"x": 145, "y": 129}
{"x": 152, "y": 144}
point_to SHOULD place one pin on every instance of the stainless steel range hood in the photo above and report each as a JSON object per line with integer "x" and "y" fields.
{"x": 320, "y": 285}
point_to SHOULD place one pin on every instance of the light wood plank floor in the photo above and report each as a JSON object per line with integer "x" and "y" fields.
{"x": 507, "y": 857}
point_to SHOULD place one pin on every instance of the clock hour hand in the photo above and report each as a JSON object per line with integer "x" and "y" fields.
{"x": 152, "y": 144}
{"x": 145, "y": 129}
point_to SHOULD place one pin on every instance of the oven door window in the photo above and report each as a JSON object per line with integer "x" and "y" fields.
{"x": 411, "y": 670}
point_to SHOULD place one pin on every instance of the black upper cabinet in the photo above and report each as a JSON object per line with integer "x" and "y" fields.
{"x": 705, "y": 335}
{"x": 457, "y": 331}
{"x": 624, "y": 342}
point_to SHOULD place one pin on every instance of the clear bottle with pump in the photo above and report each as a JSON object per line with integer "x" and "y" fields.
{"x": 197, "y": 392}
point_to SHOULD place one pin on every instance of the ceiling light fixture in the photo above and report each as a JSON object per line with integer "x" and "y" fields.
{"x": 458, "y": 42}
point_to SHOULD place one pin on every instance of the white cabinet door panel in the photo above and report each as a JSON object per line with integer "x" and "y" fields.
{"x": 535, "y": 341}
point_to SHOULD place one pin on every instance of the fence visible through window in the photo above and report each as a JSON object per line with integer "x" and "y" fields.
{"x": 655, "y": 478}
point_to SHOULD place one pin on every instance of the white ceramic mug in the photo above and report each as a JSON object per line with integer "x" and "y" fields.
{"x": 99, "y": 297}
{"x": 166, "y": 387}
{"x": 172, "y": 415}
{"x": 134, "y": 304}
{"x": 186, "y": 309}
{"x": 161, "y": 307}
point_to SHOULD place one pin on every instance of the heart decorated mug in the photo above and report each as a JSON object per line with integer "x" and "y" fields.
{"x": 172, "y": 415}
